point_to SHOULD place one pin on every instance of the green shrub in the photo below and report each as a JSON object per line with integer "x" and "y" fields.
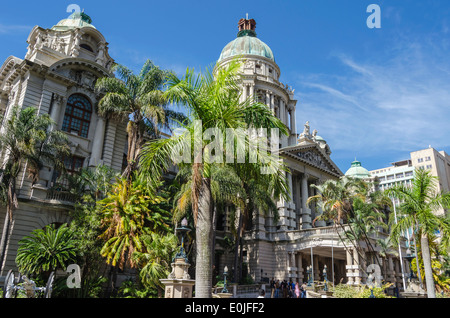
{"x": 360, "y": 291}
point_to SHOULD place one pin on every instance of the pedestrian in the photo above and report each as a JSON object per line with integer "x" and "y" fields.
{"x": 303, "y": 291}
{"x": 272, "y": 287}
{"x": 262, "y": 293}
{"x": 277, "y": 289}
{"x": 297, "y": 290}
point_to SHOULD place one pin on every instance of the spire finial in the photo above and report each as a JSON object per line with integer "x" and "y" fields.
{"x": 246, "y": 16}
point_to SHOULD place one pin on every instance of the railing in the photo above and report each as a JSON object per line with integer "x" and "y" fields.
{"x": 58, "y": 195}
{"x": 241, "y": 291}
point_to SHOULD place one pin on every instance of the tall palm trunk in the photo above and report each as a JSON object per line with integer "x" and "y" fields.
{"x": 237, "y": 270}
{"x": 426, "y": 256}
{"x": 4, "y": 239}
{"x": 204, "y": 235}
{"x": 11, "y": 203}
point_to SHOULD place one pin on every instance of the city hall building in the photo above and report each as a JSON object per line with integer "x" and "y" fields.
{"x": 57, "y": 76}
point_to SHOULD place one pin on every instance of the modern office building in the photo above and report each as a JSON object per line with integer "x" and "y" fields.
{"x": 402, "y": 172}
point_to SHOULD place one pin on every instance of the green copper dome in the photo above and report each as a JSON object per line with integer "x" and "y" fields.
{"x": 246, "y": 43}
{"x": 357, "y": 171}
{"x": 75, "y": 20}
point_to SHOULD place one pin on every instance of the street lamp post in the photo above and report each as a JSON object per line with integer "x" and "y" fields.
{"x": 310, "y": 278}
{"x": 225, "y": 274}
{"x": 183, "y": 230}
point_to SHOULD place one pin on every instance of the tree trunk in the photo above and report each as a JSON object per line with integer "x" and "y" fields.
{"x": 236, "y": 274}
{"x": 4, "y": 240}
{"x": 213, "y": 244}
{"x": 203, "y": 268}
{"x": 427, "y": 267}
{"x": 11, "y": 202}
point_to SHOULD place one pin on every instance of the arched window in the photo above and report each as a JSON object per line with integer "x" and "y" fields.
{"x": 86, "y": 47}
{"x": 78, "y": 115}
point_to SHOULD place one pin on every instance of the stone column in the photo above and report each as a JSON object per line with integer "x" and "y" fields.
{"x": 398, "y": 272}
{"x": 252, "y": 90}
{"x": 268, "y": 103}
{"x": 306, "y": 212}
{"x": 55, "y": 114}
{"x": 299, "y": 267}
{"x": 101, "y": 54}
{"x": 356, "y": 267}
{"x": 316, "y": 268}
{"x": 283, "y": 118}
{"x": 272, "y": 101}
{"x": 292, "y": 266}
{"x": 349, "y": 267}
{"x": 57, "y": 105}
{"x": 293, "y": 121}
{"x": 297, "y": 202}
{"x": 291, "y": 205}
{"x": 319, "y": 211}
{"x": 391, "y": 274}
{"x": 97, "y": 146}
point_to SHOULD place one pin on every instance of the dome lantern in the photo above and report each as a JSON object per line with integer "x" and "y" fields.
{"x": 247, "y": 43}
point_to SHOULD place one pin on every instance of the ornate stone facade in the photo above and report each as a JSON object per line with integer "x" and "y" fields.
{"x": 58, "y": 74}
{"x": 284, "y": 250}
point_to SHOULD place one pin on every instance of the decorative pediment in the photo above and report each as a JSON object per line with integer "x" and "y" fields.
{"x": 313, "y": 155}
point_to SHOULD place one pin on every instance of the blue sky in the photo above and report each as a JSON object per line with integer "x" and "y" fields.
{"x": 373, "y": 94}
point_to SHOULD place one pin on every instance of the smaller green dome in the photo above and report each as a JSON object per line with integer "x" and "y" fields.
{"x": 75, "y": 20}
{"x": 319, "y": 138}
{"x": 357, "y": 171}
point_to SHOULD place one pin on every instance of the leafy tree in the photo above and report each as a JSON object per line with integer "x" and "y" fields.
{"x": 128, "y": 212}
{"x": 46, "y": 250}
{"x": 27, "y": 142}
{"x": 214, "y": 100}
{"x": 155, "y": 260}
{"x": 417, "y": 210}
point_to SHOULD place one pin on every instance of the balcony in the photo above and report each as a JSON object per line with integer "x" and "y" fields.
{"x": 61, "y": 196}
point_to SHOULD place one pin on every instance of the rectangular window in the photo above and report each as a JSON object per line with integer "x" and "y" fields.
{"x": 73, "y": 165}
{"x": 399, "y": 175}
{"x": 428, "y": 159}
{"x": 420, "y": 160}
{"x": 429, "y": 166}
{"x": 390, "y": 177}
{"x": 409, "y": 174}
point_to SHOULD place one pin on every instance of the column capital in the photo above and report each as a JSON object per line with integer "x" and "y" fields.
{"x": 59, "y": 98}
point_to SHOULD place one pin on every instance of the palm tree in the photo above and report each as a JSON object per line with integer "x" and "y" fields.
{"x": 261, "y": 193}
{"x": 138, "y": 99}
{"x": 418, "y": 212}
{"x": 386, "y": 248}
{"x": 155, "y": 259}
{"x": 213, "y": 103}
{"x": 347, "y": 203}
{"x": 46, "y": 250}
{"x": 26, "y": 140}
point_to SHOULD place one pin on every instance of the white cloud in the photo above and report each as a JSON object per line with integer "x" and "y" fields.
{"x": 399, "y": 104}
{"x": 7, "y": 29}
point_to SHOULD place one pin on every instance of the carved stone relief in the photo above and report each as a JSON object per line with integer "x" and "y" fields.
{"x": 315, "y": 159}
